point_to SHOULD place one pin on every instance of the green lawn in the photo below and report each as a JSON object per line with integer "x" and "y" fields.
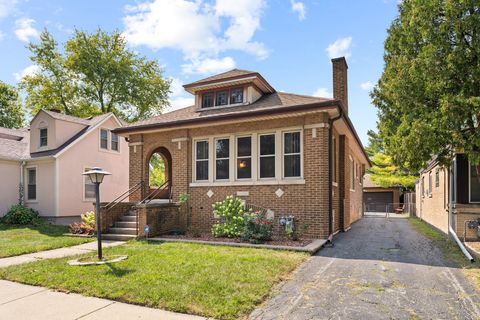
{"x": 15, "y": 240}
{"x": 216, "y": 281}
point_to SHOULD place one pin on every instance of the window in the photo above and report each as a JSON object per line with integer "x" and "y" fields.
{"x": 423, "y": 186}
{"x": 43, "y": 137}
{"x": 430, "y": 183}
{"x": 291, "y": 154}
{"x": 114, "y": 141}
{"x": 244, "y": 158}
{"x": 207, "y": 100}
{"x": 334, "y": 160}
{"x": 221, "y": 98}
{"x": 201, "y": 160}
{"x": 31, "y": 184}
{"x": 222, "y": 159}
{"x": 475, "y": 183}
{"x": 267, "y": 156}
{"x": 236, "y": 96}
{"x": 352, "y": 174}
{"x": 103, "y": 139}
{"x": 437, "y": 178}
{"x": 89, "y": 193}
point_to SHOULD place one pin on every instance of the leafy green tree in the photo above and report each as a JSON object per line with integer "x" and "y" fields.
{"x": 11, "y": 112}
{"x": 375, "y": 143}
{"x": 96, "y": 73}
{"x": 385, "y": 174}
{"x": 428, "y": 96}
{"x": 157, "y": 170}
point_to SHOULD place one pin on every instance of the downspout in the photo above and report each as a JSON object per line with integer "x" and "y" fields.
{"x": 330, "y": 178}
{"x": 21, "y": 187}
{"x": 452, "y": 182}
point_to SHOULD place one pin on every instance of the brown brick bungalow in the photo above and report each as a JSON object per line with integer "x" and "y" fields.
{"x": 293, "y": 154}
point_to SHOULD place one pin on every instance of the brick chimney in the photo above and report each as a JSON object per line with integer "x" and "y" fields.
{"x": 340, "y": 81}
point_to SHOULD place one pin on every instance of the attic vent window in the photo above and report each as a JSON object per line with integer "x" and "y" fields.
{"x": 222, "y": 97}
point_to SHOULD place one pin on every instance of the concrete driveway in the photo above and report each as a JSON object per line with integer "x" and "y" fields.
{"x": 380, "y": 269}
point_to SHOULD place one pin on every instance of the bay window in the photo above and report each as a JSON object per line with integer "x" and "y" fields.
{"x": 244, "y": 157}
{"x": 267, "y": 156}
{"x": 291, "y": 154}
{"x": 222, "y": 159}
{"x": 201, "y": 160}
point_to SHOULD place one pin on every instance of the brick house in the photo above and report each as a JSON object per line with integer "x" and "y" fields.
{"x": 293, "y": 154}
{"x": 438, "y": 187}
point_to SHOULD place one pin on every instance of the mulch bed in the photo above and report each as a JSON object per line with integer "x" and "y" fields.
{"x": 276, "y": 241}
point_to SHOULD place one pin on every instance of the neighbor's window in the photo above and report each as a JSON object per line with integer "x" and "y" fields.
{"x": 430, "y": 183}
{"x": 89, "y": 187}
{"x": 103, "y": 139}
{"x": 437, "y": 178}
{"x": 423, "y": 186}
{"x": 291, "y": 154}
{"x": 201, "y": 160}
{"x": 475, "y": 183}
{"x": 207, "y": 100}
{"x": 267, "y": 156}
{"x": 236, "y": 95}
{"x": 31, "y": 184}
{"x": 244, "y": 157}
{"x": 114, "y": 141}
{"x": 222, "y": 159}
{"x": 43, "y": 137}
{"x": 221, "y": 98}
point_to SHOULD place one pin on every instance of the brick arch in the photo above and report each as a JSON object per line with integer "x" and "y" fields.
{"x": 167, "y": 158}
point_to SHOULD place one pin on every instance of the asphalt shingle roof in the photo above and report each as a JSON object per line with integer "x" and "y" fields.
{"x": 221, "y": 76}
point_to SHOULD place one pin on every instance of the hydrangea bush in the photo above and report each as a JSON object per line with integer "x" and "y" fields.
{"x": 232, "y": 216}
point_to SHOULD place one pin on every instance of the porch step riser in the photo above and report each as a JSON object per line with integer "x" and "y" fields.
{"x": 118, "y": 237}
{"x": 123, "y": 231}
{"x": 121, "y": 224}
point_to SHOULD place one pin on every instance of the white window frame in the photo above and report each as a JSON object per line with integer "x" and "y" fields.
{"x": 27, "y": 200}
{"x": 100, "y": 139}
{"x": 195, "y": 160}
{"x": 40, "y": 136}
{"x": 291, "y": 154}
{"x": 470, "y": 184}
{"x": 111, "y": 142}
{"x": 274, "y": 134}
{"x": 85, "y": 179}
{"x": 243, "y": 157}
{"x": 215, "y": 157}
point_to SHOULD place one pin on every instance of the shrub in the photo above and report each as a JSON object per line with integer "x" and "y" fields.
{"x": 19, "y": 214}
{"x": 232, "y": 218}
{"x": 87, "y": 226}
{"x": 258, "y": 228}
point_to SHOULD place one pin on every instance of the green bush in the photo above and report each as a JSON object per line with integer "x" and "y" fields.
{"x": 87, "y": 226}
{"x": 19, "y": 214}
{"x": 258, "y": 228}
{"x": 232, "y": 218}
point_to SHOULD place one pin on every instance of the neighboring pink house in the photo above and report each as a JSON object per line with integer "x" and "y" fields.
{"x": 47, "y": 162}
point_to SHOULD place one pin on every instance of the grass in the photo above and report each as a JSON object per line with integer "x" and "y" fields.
{"x": 214, "y": 281}
{"x": 16, "y": 240}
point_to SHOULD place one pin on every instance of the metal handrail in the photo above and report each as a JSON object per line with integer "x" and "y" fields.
{"x": 151, "y": 196}
{"x": 123, "y": 196}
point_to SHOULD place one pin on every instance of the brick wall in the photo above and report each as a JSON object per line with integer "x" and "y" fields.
{"x": 109, "y": 217}
{"x": 161, "y": 218}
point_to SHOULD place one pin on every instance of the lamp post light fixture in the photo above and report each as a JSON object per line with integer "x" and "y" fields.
{"x": 96, "y": 176}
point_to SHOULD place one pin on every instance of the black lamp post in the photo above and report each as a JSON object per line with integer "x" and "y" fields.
{"x": 96, "y": 176}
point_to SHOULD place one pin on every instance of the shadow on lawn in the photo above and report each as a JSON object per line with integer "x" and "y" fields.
{"x": 43, "y": 228}
{"x": 118, "y": 272}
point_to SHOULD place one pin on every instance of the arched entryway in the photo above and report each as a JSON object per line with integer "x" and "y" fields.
{"x": 160, "y": 173}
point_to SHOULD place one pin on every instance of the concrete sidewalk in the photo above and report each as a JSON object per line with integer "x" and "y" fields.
{"x": 23, "y": 302}
{"x": 57, "y": 253}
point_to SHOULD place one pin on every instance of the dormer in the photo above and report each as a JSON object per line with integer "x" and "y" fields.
{"x": 229, "y": 89}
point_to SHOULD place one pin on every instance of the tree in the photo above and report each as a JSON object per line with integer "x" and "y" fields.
{"x": 11, "y": 112}
{"x": 375, "y": 143}
{"x": 157, "y": 170}
{"x": 95, "y": 74}
{"x": 428, "y": 96}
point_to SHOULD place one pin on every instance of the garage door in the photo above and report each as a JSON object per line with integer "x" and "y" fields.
{"x": 377, "y": 201}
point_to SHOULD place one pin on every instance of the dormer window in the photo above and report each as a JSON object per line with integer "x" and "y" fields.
{"x": 222, "y": 98}
{"x": 207, "y": 99}
{"x": 43, "y": 137}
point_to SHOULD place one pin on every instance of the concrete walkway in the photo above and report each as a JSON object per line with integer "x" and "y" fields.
{"x": 23, "y": 302}
{"x": 56, "y": 253}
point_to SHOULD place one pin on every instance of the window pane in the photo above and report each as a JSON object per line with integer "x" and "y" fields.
{"x": 475, "y": 183}
{"x": 202, "y": 150}
{"x": 244, "y": 146}
{"x": 89, "y": 190}
{"x": 244, "y": 168}
{"x": 221, "y": 98}
{"x": 114, "y": 141}
{"x": 267, "y": 144}
{"x": 104, "y": 139}
{"x": 202, "y": 170}
{"x": 32, "y": 176}
{"x": 207, "y": 100}
{"x": 292, "y": 142}
{"x": 222, "y": 169}
{"x": 267, "y": 167}
{"x": 222, "y": 148}
{"x": 43, "y": 137}
{"x": 32, "y": 184}
{"x": 236, "y": 96}
{"x": 292, "y": 166}
{"x": 32, "y": 192}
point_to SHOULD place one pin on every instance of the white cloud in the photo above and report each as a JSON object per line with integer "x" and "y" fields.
{"x": 208, "y": 65}
{"x": 28, "y": 71}
{"x": 25, "y": 30}
{"x": 6, "y": 7}
{"x": 178, "y": 97}
{"x": 2, "y": 35}
{"x": 299, "y": 7}
{"x": 368, "y": 85}
{"x": 322, "y": 93}
{"x": 340, "y": 48}
{"x": 180, "y": 102}
{"x": 202, "y": 31}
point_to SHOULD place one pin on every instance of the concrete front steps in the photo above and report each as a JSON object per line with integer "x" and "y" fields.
{"x": 123, "y": 230}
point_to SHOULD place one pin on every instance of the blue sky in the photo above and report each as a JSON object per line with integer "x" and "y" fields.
{"x": 290, "y": 42}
